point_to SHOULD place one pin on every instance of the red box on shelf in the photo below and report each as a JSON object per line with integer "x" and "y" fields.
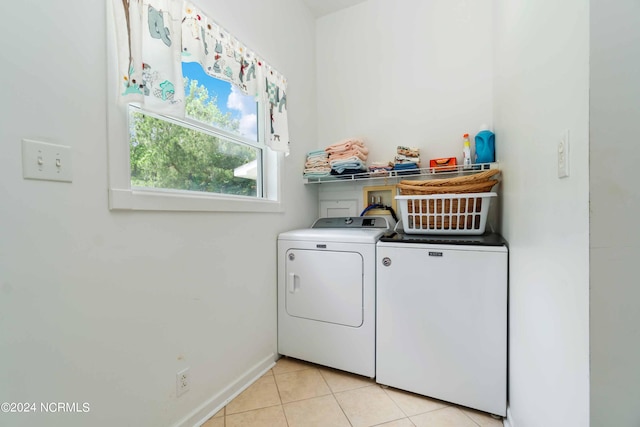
{"x": 443, "y": 164}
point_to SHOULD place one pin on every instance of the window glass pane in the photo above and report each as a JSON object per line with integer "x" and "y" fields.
{"x": 219, "y": 103}
{"x": 166, "y": 155}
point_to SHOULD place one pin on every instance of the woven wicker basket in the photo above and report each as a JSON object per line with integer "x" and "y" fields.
{"x": 476, "y": 183}
{"x": 467, "y": 179}
{"x": 474, "y": 187}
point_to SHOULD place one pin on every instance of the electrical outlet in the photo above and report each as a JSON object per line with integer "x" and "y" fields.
{"x": 49, "y": 162}
{"x": 563, "y": 155}
{"x": 183, "y": 382}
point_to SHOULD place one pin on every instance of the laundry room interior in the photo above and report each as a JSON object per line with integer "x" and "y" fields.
{"x": 106, "y": 298}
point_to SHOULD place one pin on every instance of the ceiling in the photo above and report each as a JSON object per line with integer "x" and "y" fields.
{"x": 325, "y": 7}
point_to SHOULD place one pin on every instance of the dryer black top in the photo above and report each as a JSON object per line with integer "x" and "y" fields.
{"x": 352, "y": 222}
{"x": 487, "y": 239}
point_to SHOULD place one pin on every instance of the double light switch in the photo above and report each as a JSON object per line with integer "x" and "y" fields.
{"x": 42, "y": 160}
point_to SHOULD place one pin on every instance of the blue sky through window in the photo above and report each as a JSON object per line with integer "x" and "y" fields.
{"x": 229, "y": 98}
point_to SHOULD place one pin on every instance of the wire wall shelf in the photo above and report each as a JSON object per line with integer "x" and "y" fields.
{"x": 397, "y": 175}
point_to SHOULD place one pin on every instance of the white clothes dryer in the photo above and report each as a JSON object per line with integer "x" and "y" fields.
{"x": 326, "y": 293}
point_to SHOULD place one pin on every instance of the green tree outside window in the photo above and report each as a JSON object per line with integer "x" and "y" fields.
{"x": 166, "y": 155}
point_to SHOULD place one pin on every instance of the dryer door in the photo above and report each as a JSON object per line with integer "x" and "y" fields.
{"x": 326, "y": 286}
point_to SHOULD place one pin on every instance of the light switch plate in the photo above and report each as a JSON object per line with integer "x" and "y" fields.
{"x": 45, "y": 161}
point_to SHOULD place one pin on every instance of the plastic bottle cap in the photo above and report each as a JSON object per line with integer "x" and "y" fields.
{"x": 484, "y": 127}
{"x": 466, "y": 135}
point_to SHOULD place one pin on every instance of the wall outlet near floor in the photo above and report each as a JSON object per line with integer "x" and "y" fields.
{"x": 183, "y": 381}
{"x": 563, "y": 155}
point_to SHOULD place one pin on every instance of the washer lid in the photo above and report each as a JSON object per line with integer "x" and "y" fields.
{"x": 339, "y": 235}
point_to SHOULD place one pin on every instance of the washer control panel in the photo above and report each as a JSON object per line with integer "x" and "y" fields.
{"x": 352, "y": 222}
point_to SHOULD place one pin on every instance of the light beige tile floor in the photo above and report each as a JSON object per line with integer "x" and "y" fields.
{"x": 301, "y": 394}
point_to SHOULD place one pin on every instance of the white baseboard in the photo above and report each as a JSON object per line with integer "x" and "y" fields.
{"x": 209, "y": 408}
{"x": 508, "y": 421}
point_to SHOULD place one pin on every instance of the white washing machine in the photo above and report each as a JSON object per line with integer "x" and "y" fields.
{"x": 327, "y": 293}
{"x": 442, "y": 317}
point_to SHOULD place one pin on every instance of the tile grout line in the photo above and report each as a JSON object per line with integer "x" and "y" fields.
{"x": 472, "y": 420}
{"x": 257, "y": 409}
{"x": 395, "y": 403}
{"x": 333, "y": 394}
{"x": 286, "y": 420}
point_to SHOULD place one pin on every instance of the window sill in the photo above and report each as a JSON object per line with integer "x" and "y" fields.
{"x": 158, "y": 200}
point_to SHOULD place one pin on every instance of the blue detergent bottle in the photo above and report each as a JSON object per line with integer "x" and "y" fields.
{"x": 485, "y": 146}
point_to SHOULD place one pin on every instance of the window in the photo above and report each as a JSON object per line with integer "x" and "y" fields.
{"x": 214, "y": 155}
{"x": 219, "y": 154}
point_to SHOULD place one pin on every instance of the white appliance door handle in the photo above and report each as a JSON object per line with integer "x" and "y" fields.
{"x": 291, "y": 282}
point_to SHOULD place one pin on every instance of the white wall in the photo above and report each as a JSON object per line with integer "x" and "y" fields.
{"x": 615, "y": 202}
{"x": 542, "y": 89}
{"x": 406, "y": 72}
{"x": 105, "y": 307}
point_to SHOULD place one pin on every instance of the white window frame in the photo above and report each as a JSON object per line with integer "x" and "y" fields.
{"x": 123, "y": 197}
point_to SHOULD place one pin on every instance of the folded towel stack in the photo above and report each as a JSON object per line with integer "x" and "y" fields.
{"x": 317, "y": 164}
{"x": 348, "y": 157}
{"x": 407, "y": 158}
{"x": 408, "y": 151}
{"x": 380, "y": 168}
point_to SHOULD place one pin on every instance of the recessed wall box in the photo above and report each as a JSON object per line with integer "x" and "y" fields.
{"x": 380, "y": 194}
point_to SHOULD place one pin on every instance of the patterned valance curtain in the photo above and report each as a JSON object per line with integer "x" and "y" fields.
{"x": 149, "y": 34}
{"x": 155, "y": 36}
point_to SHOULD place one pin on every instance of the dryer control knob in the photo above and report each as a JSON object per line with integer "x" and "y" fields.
{"x": 292, "y": 257}
{"x": 386, "y": 261}
{"x": 348, "y": 220}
